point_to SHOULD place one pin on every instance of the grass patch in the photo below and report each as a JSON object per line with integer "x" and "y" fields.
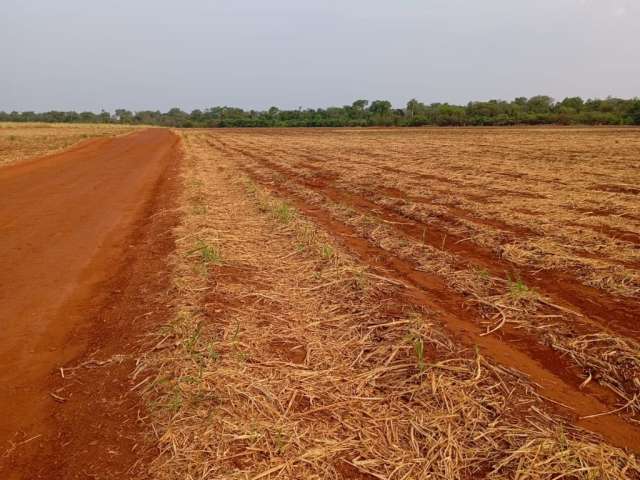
{"x": 518, "y": 289}
{"x": 418, "y": 350}
{"x": 326, "y": 251}
{"x": 283, "y": 212}
{"x": 209, "y": 254}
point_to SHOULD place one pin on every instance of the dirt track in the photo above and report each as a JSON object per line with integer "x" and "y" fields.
{"x": 66, "y": 221}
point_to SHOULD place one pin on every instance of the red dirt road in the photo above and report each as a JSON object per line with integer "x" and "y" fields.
{"x": 66, "y": 222}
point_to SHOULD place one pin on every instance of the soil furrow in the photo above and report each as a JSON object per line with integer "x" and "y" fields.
{"x": 615, "y": 315}
{"x": 461, "y": 191}
{"x": 543, "y": 365}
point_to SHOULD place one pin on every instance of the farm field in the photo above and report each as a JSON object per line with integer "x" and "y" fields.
{"x": 383, "y": 303}
{"x": 321, "y": 304}
{"x": 21, "y": 141}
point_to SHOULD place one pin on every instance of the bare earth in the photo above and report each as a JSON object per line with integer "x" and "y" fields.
{"x": 67, "y": 222}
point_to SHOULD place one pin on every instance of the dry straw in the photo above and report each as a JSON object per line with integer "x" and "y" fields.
{"x": 22, "y": 141}
{"x": 501, "y": 301}
{"x": 288, "y": 359}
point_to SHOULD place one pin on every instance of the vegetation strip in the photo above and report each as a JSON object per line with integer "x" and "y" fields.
{"x": 537, "y": 110}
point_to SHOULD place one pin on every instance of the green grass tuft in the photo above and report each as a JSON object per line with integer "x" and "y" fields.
{"x": 283, "y": 212}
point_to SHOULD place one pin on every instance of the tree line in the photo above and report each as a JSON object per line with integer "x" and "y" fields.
{"x": 537, "y": 110}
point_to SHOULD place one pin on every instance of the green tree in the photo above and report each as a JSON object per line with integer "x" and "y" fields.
{"x": 104, "y": 117}
{"x": 380, "y": 107}
{"x": 360, "y": 105}
{"x": 124, "y": 116}
{"x": 574, "y": 103}
{"x": 634, "y": 112}
{"x": 357, "y": 110}
{"x": 414, "y": 107}
{"x": 540, "y": 104}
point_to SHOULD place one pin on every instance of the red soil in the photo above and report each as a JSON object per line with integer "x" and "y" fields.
{"x": 83, "y": 253}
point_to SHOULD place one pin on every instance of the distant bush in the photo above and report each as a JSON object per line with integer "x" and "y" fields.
{"x": 634, "y": 112}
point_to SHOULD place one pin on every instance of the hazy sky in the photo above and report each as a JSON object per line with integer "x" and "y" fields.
{"x": 156, "y": 54}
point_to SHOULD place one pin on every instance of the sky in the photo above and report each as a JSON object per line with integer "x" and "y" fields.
{"x": 157, "y": 54}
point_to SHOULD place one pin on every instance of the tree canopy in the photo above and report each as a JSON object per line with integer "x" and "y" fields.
{"x": 537, "y": 110}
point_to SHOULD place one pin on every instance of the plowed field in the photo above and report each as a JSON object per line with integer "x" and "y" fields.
{"x": 385, "y": 303}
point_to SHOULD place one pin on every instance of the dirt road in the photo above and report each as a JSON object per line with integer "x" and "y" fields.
{"x": 66, "y": 224}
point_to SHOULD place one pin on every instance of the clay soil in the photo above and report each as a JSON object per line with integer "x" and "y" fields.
{"x": 85, "y": 237}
